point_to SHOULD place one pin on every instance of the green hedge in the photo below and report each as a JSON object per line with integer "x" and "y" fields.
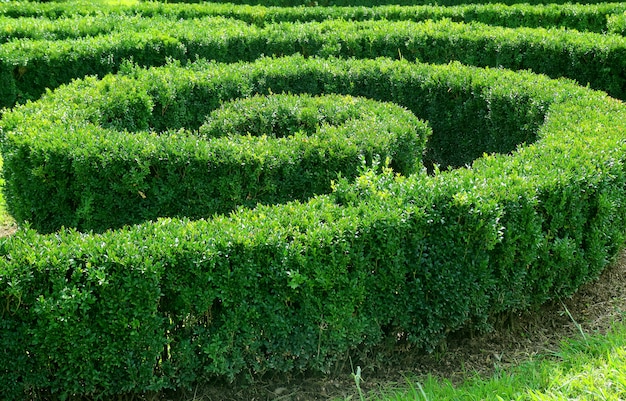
{"x": 123, "y": 158}
{"x": 297, "y": 286}
{"x": 617, "y": 24}
{"x": 582, "y": 17}
{"x": 71, "y": 28}
{"x": 372, "y": 3}
{"x": 28, "y": 67}
{"x": 31, "y": 66}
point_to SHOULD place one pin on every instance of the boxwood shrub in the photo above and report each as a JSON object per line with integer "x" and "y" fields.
{"x": 297, "y": 286}
{"x": 114, "y": 152}
{"x": 28, "y": 67}
{"x": 370, "y": 3}
{"x": 582, "y": 17}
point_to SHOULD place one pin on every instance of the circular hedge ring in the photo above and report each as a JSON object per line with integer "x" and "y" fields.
{"x": 122, "y": 160}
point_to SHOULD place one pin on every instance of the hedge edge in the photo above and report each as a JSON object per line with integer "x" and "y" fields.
{"x": 27, "y": 68}
{"x": 419, "y": 255}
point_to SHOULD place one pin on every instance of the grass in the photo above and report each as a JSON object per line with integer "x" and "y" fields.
{"x": 591, "y": 368}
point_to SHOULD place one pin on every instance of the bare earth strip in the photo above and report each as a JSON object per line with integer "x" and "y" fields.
{"x": 7, "y": 229}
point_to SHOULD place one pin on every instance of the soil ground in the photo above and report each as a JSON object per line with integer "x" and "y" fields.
{"x": 7, "y": 229}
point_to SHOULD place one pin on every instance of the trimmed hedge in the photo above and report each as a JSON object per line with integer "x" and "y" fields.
{"x": 371, "y": 3}
{"x": 297, "y": 286}
{"x": 27, "y": 68}
{"x": 582, "y": 17}
{"x": 71, "y": 28}
{"x": 617, "y": 24}
{"x": 102, "y": 154}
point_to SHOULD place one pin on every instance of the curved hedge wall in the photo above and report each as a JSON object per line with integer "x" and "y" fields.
{"x": 71, "y": 27}
{"x": 535, "y": 209}
{"x": 27, "y": 68}
{"x": 582, "y": 17}
{"x": 122, "y": 158}
{"x": 385, "y": 255}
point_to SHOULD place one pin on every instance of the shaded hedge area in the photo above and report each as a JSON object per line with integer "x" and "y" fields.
{"x": 362, "y": 245}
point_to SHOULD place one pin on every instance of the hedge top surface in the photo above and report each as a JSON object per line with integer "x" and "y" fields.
{"x": 123, "y": 150}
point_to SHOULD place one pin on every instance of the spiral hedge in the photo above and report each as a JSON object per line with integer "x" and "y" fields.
{"x": 520, "y": 199}
{"x": 90, "y": 172}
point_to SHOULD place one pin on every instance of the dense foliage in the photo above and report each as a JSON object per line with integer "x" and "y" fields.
{"x": 28, "y": 67}
{"x": 534, "y": 207}
{"x": 582, "y": 17}
{"x": 101, "y": 154}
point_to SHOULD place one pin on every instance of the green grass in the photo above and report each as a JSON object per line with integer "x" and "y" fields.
{"x": 593, "y": 368}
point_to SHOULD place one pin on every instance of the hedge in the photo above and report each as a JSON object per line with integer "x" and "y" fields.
{"x": 27, "y": 68}
{"x": 582, "y": 17}
{"x": 71, "y": 28}
{"x": 124, "y": 158}
{"x": 371, "y": 3}
{"x": 617, "y": 24}
{"x": 297, "y": 286}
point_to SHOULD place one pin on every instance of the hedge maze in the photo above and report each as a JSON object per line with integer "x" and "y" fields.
{"x": 223, "y": 191}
